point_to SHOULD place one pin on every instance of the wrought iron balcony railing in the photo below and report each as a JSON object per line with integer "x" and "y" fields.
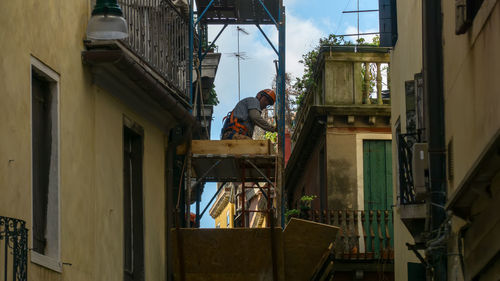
{"x": 158, "y": 34}
{"x": 364, "y": 235}
{"x": 13, "y": 249}
{"x": 407, "y": 192}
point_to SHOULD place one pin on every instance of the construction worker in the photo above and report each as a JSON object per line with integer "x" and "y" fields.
{"x": 239, "y": 123}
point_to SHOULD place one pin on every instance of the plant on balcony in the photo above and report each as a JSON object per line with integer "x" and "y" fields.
{"x": 304, "y": 208}
{"x": 205, "y": 46}
{"x": 212, "y": 97}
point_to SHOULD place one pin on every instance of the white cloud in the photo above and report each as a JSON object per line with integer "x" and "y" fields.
{"x": 302, "y": 36}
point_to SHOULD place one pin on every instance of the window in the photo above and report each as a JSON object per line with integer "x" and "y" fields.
{"x": 132, "y": 203}
{"x": 465, "y": 12}
{"x": 45, "y": 165}
{"x": 227, "y": 219}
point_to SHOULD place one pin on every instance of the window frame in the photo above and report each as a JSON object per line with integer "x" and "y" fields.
{"x": 53, "y": 261}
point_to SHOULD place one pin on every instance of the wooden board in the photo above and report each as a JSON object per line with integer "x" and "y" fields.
{"x": 231, "y": 147}
{"x": 304, "y": 244}
{"x": 244, "y": 254}
{"x": 231, "y": 254}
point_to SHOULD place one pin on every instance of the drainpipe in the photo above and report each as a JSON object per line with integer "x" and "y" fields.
{"x": 434, "y": 95}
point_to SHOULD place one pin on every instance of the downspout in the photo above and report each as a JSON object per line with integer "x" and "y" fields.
{"x": 434, "y": 96}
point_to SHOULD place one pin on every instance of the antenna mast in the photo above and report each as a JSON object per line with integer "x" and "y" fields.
{"x": 238, "y": 55}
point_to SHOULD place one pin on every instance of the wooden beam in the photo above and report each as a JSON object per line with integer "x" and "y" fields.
{"x": 232, "y": 147}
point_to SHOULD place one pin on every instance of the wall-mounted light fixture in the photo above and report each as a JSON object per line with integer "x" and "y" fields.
{"x": 107, "y": 22}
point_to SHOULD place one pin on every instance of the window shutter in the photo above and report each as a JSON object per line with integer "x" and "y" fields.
{"x": 388, "y": 23}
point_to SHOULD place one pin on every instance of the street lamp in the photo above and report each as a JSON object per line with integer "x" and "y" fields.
{"x": 107, "y": 22}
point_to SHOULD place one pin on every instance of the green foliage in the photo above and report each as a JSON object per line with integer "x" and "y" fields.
{"x": 212, "y": 97}
{"x": 305, "y": 204}
{"x": 273, "y": 136}
{"x": 292, "y": 212}
{"x": 308, "y": 198}
{"x": 205, "y": 46}
{"x": 305, "y": 84}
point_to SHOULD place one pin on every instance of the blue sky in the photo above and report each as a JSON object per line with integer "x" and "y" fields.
{"x": 307, "y": 22}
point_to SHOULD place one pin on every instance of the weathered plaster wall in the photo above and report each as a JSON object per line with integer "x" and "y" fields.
{"x": 308, "y": 184}
{"x": 341, "y": 170}
{"x": 109, "y": 190}
{"x": 406, "y": 61}
{"x": 91, "y": 165}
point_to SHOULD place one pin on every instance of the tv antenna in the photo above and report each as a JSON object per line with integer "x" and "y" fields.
{"x": 357, "y": 12}
{"x": 239, "y": 55}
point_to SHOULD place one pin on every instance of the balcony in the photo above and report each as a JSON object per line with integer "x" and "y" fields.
{"x": 363, "y": 236}
{"x": 343, "y": 91}
{"x": 158, "y": 34}
{"x": 148, "y": 70}
{"x": 13, "y": 249}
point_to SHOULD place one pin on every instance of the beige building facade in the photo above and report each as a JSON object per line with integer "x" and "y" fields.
{"x": 406, "y": 61}
{"x": 101, "y": 145}
{"x": 470, "y": 62}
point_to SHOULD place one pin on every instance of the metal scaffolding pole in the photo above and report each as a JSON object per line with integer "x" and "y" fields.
{"x": 208, "y": 16}
{"x": 281, "y": 113}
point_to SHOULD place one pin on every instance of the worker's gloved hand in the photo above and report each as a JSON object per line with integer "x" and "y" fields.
{"x": 254, "y": 115}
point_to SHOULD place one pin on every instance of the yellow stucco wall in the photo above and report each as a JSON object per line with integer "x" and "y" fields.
{"x": 222, "y": 217}
{"x": 472, "y": 98}
{"x": 406, "y": 61}
{"x": 91, "y": 155}
{"x": 472, "y": 95}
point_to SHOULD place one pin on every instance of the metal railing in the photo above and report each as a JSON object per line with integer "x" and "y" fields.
{"x": 363, "y": 235}
{"x": 407, "y": 193}
{"x": 13, "y": 249}
{"x": 158, "y": 34}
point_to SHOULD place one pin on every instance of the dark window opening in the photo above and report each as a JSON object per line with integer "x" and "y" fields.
{"x": 465, "y": 12}
{"x": 133, "y": 206}
{"x": 41, "y": 114}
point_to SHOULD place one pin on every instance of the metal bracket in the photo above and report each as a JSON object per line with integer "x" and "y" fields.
{"x": 269, "y": 13}
{"x": 203, "y": 13}
{"x": 268, "y": 41}
{"x": 213, "y": 42}
{"x": 210, "y": 202}
{"x": 261, "y": 173}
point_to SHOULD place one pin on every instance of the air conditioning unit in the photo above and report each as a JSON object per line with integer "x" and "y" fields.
{"x": 420, "y": 170}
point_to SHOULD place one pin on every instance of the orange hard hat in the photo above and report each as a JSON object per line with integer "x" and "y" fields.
{"x": 269, "y": 93}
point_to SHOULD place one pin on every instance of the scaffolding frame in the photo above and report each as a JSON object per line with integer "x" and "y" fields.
{"x": 240, "y": 169}
{"x": 241, "y": 12}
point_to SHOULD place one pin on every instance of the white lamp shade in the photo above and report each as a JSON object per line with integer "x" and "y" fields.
{"x": 107, "y": 27}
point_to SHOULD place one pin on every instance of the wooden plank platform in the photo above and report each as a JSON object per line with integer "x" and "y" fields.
{"x": 231, "y": 147}
{"x": 233, "y": 157}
